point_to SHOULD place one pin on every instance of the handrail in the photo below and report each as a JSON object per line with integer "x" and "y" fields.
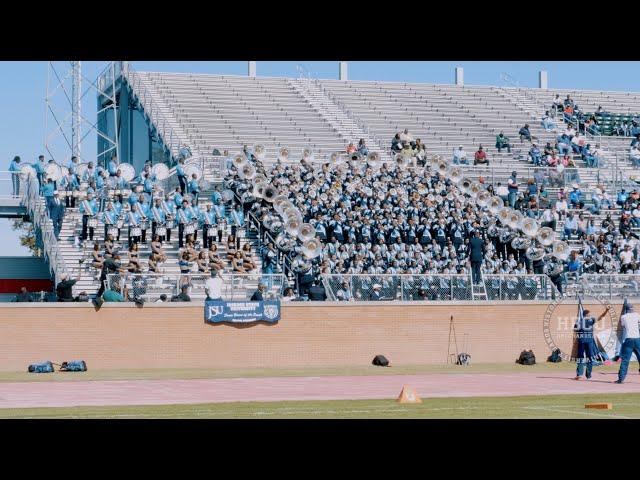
{"x": 31, "y": 199}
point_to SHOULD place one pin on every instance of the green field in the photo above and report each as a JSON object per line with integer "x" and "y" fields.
{"x": 533, "y": 407}
{"x": 188, "y": 374}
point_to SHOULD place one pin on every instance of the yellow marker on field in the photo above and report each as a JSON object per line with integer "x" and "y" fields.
{"x": 600, "y": 406}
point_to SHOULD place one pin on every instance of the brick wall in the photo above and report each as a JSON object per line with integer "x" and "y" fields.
{"x": 175, "y": 336}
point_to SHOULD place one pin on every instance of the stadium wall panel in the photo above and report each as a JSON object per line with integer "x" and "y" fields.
{"x": 122, "y": 336}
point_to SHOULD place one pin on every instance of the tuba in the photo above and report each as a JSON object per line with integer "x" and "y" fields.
{"x": 521, "y": 243}
{"x": 300, "y": 264}
{"x": 495, "y": 204}
{"x": 474, "y": 189}
{"x": 312, "y": 248}
{"x": 561, "y": 250}
{"x": 53, "y": 171}
{"x": 27, "y": 171}
{"x": 455, "y": 174}
{"x": 504, "y": 214}
{"x": 530, "y": 227}
{"x": 259, "y": 152}
{"x": 128, "y": 172}
{"x": 161, "y": 171}
{"x": 545, "y": 236}
{"x": 307, "y": 154}
{"x": 373, "y": 159}
{"x": 306, "y": 232}
{"x": 515, "y": 219}
{"x": 247, "y": 172}
{"x": 483, "y": 198}
{"x": 239, "y": 160}
{"x": 465, "y": 185}
{"x": 285, "y": 243}
{"x": 270, "y": 193}
{"x": 284, "y": 154}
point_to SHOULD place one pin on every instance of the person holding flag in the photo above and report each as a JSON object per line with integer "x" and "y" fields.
{"x": 629, "y": 321}
{"x": 586, "y": 344}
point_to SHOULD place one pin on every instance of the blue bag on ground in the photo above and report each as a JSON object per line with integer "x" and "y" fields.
{"x": 44, "y": 367}
{"x": 74, "y": 366}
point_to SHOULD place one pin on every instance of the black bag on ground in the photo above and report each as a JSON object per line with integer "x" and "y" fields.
{"x": 526, "y": 358}
{"x": 74, "y": 366}
{"x": 555, "y": 356}
{"x": 380, "y": 361}
{"x": 44, "y": 367}
{"x": 463, "y": 359}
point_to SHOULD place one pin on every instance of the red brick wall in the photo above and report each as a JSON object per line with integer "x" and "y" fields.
{"x": 172, "y": 336}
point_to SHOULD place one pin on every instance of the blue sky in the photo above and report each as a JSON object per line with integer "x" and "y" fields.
{"x": 23, "y": 86}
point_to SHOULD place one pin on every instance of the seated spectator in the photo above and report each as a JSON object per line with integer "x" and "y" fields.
{"x": 548, "y": 149}
{"x": 568, "y": 101}
{"x": 351, "y": 148}
{"x": 407, "y": 138}
{"x": 162, "y": 299}
{"x": 375, "y": 294}
{"x": 578, "y": 144}
{"x": 574, "y": 264}
{"x": 344, "y": 293}
{"x": 23, "y": 296}
{"x": 568, "y": 113}
{"x": 535, "y": 155}
{"x": 288, "y": 295}
{"x": 575, "y": 197}
{"x": 421, "y": 149}
{"x": 564, "y": 144}
{"x": 396, "y": 144}
{"x": 634, "y": 155}
{"x": 114, "y": 295}
{"x": 626, "y": 259}
{"x": 362, "y": 148}
{"x": 558, "y": 105}
{"x": 532, "y": 188}
{"x": 480, "y": 157}
{"x": 547, "y": 123}
{"x": 183, "y": 296}
{"x": 64, "y": 288}
{"x": 502, "y": 142}
{"x": 525, "y": 133}
{"x": 622, "y": 197}
{"x": 460, "y": 156}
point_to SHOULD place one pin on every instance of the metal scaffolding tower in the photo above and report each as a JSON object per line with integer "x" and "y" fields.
{"x": 67, "y": 89}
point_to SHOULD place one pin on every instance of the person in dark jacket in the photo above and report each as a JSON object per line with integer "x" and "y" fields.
{"x": 258, "y": 294}
{"x": 56, "y": 213}
{"x": 317, "y": 292}
{"x": 375, "y": 295}
{"x": 64, "y": 288}
{"x": 183, "y": 296}
{"x": 23, "y": 296}
{"x": 477, "y": 255}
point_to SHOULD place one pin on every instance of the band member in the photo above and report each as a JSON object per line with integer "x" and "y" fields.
{"x": 40, "y": 166}
{"x": 112, "y": 166}
{"x": 196, "y": 220}
{"x": 177, "y": 198}
{"x": 221, "y": 219}
{"x": 169, "y": 209}
{"x": 142, "y": 208}
{"x": 110, "y": 219}
{"x": 70, "y": 184}
{"x": 237, "y": 221}
{"x": 182, "y": 176}
{"x": 194, "y": 188}
{"x": 117, "y": 182}
{"x": 135, "y": 232}
{"x": 209, "y": 226}
{"x": 89, "y": 209}
{"x": 184, "y": 219}
{"x": 158, "y": 218}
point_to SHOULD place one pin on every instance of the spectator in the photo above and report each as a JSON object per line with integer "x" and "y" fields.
{"x": 502, "y": 142}
{"x": 634, "y": 155}
{"x": 288, "y": 295}
{"x": 115, "y": 295}
{"x": 375, "y": 294}
{"x": 183, "y": 296}
{"x": 460, "y": 156}
{"x": 317, "y": 292}
{"x": 575, "y": 197}
{"x": 258, "y": 295}
{"x": 512, "y": 186}
{"x": 14, "y": 168}
{"x": 396, "y": 144}
{"x": 535, "y": 155}
{"x": 351, "y": 148}
{"x": 213, "y": 286}
{"x": 162, "y": 299}
{"x": 524, "y": 133}
{"x": 557, "y": 105}
{"x": 64, "y": 288}
{"x": 23, "y": 296}
{"x": 344, "y": 293}
{"x": 547, "y": 122}
{"x": 56, "y": 213}
{"x": 362, "y": 148}
{"x": 480, "y": 157}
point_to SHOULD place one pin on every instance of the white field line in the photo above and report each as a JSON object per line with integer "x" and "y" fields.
{"x": 577, "y": 412}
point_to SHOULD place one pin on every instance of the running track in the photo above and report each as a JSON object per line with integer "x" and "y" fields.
{"x": 165, "y": 392}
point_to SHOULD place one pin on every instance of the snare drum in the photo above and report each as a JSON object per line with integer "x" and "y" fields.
{"x": 136, "y": 232}
{"x": 112, "y": 231}
{"x": 161, "y": 231}
{"x": 120, "y": 223}
{"x": 212, "y": 231}
{"x": 93, "y": 222}
{"x": 189, "y": 228}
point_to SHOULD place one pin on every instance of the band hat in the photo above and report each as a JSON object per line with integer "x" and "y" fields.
{"x": 377, "y": 285}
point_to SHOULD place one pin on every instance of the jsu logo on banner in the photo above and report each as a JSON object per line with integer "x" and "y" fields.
{"x": 241, "y": 312}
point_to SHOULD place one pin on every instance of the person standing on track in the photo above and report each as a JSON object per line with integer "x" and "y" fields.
{"x": 629, "y": 322}
{"x": 584, "y": 333}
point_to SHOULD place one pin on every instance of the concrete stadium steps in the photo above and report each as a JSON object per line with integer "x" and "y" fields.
{"x": 224, "y": 112}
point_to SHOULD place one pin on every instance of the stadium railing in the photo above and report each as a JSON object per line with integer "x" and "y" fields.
{"x": 442, "y": 287}
{"x": 236, "y": 286}
{"x": 31, "y": 199}
{"x": 608, "y": 286}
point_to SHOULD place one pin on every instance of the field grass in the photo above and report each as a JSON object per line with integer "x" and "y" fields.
{"x": 188, "y": 374}
{"x": 625, "y": 406}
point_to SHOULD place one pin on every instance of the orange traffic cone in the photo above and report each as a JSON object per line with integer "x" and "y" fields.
{"x": 408, "y": 395}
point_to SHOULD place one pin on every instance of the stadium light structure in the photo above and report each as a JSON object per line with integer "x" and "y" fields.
{"x": 66, "y": 89}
